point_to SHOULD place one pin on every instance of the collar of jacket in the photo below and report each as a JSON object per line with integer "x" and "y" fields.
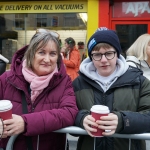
{"x": 130, "y": 77}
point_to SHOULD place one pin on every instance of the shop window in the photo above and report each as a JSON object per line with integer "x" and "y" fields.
{"x": 55, "y": 21}
{"x": 41, "y": 20}
{"x": 129, "y": 33}
{"x": 81, "y": 23}
{"x": 82, "y": 19}
{"x": 19, "y": 21}
{"x": 69, "y": 21}
{"x": 73, "y": 20}
{"x": 16, "y": 30}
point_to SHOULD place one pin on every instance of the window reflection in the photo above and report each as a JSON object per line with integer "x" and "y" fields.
{"x": 16, "y": 30}
{"x": 41, "y": 20}
{"x": 129, "y": 33}
{"x": 19, "y": 21}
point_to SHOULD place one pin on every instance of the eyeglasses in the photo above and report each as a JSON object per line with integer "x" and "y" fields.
{"x": 53, "y": 33}
{"x": 98, "y": 56}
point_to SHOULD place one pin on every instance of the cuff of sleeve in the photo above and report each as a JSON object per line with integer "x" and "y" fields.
{"x": 81, "y": 123}
{"x": 25, "y": 125}
{"x": 80, "y": 117}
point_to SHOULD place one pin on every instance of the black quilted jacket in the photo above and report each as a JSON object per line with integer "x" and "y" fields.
{"x": 128, "y": 98}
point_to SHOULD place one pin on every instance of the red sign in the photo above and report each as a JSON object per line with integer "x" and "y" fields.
{"x": 131, "y": 9}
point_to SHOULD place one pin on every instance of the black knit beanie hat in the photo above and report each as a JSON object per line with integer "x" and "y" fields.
{"x": 104, "y": 35}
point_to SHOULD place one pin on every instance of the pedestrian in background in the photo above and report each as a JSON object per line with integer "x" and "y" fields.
{"x": 105, "y": 78}
{"x": 71, "y": 58}
{"x": 138, "y": 54}
{"x": 3, "y": 62}
{"x": 37, "y": 81}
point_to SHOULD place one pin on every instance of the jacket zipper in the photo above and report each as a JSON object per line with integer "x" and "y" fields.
{"x": 104, "y": 97}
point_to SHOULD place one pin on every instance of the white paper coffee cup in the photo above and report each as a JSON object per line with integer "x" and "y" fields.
{"x": 5, "y": 109}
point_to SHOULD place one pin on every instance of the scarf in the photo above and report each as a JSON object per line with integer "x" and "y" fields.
{"x": 37, "y": 83}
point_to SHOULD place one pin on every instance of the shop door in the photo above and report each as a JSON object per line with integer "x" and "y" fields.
{"x": 129, "y": 31}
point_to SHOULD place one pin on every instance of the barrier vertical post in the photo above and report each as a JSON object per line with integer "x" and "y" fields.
{"x": 129, "y": 144}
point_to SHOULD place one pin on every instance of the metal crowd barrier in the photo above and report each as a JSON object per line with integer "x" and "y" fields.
{"x": 80, "y": 131}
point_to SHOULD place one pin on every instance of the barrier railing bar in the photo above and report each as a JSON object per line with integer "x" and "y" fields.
{"x": 77, "y": 130}
{"x": 11, "y": 142}
{"x": 80, "y": 131}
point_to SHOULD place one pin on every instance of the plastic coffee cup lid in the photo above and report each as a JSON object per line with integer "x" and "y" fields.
{"x": 100, "y": 109}
{"x": 5, "y": 105}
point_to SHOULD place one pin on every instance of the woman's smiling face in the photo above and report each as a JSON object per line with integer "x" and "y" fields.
{"x": 45, "y": 60}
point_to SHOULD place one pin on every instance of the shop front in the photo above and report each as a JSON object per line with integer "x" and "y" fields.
{"x": 129, "y": 18}
{"x": 20, "y": 19}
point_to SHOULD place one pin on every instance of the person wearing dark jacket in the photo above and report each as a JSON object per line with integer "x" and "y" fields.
{"x": 105, "y": 78}
{"x": 38, "y": 74}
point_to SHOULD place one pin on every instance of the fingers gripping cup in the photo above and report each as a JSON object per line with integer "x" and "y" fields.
{"x": 97, "y": 111}
{"x": 5, "y": 109}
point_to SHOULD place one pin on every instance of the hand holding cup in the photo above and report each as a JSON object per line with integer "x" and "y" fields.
{"x": 88, "y": 123}
{"x": 108, "y": 124}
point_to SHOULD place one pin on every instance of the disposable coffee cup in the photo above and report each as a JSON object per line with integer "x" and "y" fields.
{"x": 5, "y": 109}
{"x": 97, "y": 111}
